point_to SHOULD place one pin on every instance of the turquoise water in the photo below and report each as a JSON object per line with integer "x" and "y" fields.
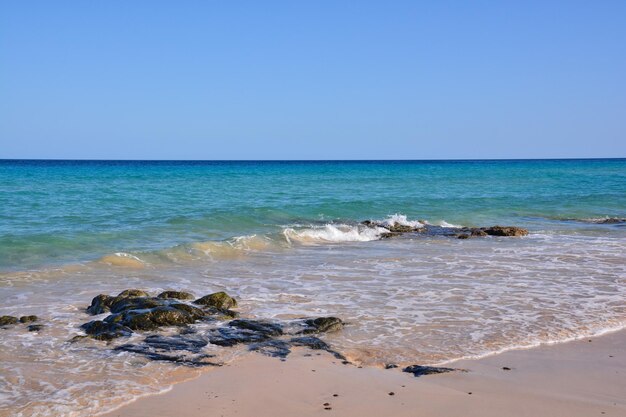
{"x": 55, "y": 212}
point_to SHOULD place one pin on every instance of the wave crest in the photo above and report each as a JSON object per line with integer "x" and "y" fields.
{"x": 334, "y": 233}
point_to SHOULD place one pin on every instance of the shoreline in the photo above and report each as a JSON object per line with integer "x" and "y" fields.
{"x": 576, "y": 378}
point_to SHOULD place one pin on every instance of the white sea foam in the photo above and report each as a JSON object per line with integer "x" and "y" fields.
{"x": 444, "y": 223}
{"x": 402, "y": 220}
{"x": 334, "y": 233}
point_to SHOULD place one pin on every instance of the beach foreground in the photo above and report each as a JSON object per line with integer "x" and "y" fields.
{"x": 581, "y": 378}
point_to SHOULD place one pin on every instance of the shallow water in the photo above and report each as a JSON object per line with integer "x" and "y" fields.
{"x": 284, "y": 239}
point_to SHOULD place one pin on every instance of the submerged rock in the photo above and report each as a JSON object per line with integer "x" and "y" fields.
{"x": 273, "y": 348}
{"x": 231, "y": 336}
{"x": 219, "y": 300}
{"x": 181, "y": 349}
{"x": 6, "y": 320}
{"x": 261, "y": 326}
{"x": 35, "y": 327}
{"x": 192, "y": 343}
{"x": 419, "y": 370}
{"x": 178, "y": 295}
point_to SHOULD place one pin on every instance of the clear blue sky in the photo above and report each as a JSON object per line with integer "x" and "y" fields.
{"x": 312, "y": 80}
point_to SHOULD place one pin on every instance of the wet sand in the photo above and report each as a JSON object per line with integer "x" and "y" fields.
{"x": 580, "y": 378}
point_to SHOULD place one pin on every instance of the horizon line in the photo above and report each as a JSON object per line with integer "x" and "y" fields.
{"x": 307, "y": 160}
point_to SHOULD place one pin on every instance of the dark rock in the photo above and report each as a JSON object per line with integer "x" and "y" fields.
{"x": 5, "y": 320}
{"x": 399, "y": 228}
{"x": 35, "y": 327}
{"x": 152, "y": 319}
{"x": 101, "y": 330}
{"x": 419, "y": 370}
{"x": 316, "y": 344}
{"x": 194, "y": 312}
{"x": 310, "y": 342}
{"x": 504, "y": 231}
{"x": 260, "y": 326}
{"x": 100, "y": 304}
{"x": 178, "y": 295}
{"x": 220, "y": 313}
{"x": 156, "y": 354}
{"x": 231, "y": 336}
{"x": 192, "y": 343}
{"x": 478, "y": 233}
{"x": 218, "y": 300}
{"x": 390, "y": 366}
{"x": 28, "y": 319}
{"x": 132, "y": 293}
{"x": 463, "y": 236}
{"x": 611, "y": 220}
{"x": 322, "y": 325}
{"x": 273, "y": 348}
{"x": 120, "y": 305}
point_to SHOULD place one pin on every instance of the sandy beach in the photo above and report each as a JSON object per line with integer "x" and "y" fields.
{"x": 579, "y": 378}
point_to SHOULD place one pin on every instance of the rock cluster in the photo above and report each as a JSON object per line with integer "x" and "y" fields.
{"x": 136, "y": 311}
{"x": 11, "y": 320}
{"x": 398, "y": 229}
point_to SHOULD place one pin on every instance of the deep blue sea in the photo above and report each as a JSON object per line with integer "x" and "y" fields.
{"x": 286, "y": 240}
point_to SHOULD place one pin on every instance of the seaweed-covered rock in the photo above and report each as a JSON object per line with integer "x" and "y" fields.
{"x": 322, "y": 325}
{"x": 218, "y": 300}
{"x": 132, "y": 293}
{"x": 178, "y": 295}
{"x": 419, "y": 370}
{"x": 220, "y": 313}
{"x": 28, "y": 319}
{"x": 100, "y": 304}
{"x": 504, "y": 231}
{"x": 400, "y": 228}
{"x": 194, "y": 312}
{"x": 478, "y": 233}
{"x": 102, "y": 330}
{"x": 6, "y": 320}
{"x": 120, "y": 305}
{"x": 152, "y": 319}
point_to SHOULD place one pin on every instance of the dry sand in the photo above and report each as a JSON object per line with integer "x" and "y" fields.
{"x": 579, "y": 378}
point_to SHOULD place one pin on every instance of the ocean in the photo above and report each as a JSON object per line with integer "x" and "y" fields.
{"x": 285, "y": 238}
